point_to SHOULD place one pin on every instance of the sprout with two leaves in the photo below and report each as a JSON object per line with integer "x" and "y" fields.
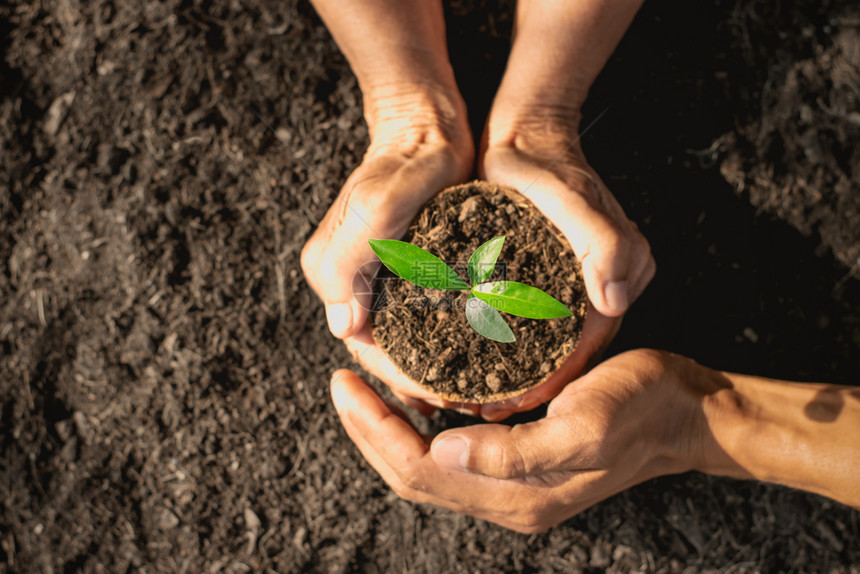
{"x": 486, "y": 298}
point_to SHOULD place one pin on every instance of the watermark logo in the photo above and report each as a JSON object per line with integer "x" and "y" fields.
{"x": 372, "y": 286}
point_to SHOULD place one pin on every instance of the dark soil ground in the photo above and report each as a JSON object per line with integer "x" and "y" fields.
{"x": 426, "y": 332}
{"x": 164, "y": 366}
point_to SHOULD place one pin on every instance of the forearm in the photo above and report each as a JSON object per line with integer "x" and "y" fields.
{"x": 805, "y": 436}
{"x": 559, "y": 49}
{"x": 397, "y": 50}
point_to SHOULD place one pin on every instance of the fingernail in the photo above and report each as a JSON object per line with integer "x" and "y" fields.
{"x": 616, "y": 295}
{"x": 339, "y": 316}
{"x": 494, "y": 412}
{"x": 339, "y": 396}
{"x": 436, "y": 403}
{"x": 451, "y": 452}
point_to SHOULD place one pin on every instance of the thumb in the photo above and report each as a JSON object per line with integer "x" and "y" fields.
{"x": 338, "y": 261}
{"x": 378, "y": 201}
{"x": 506, "y": 452}
{"x": 590, "y": 219}
{"x": 340, "y": 266}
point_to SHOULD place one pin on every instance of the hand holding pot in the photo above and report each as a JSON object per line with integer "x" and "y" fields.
{"x": 636, "y": 416}
{"x": 617, "y": 265}
{"x": 420, "y": 143}
{"x": 531, "y": 144}
{"x": 379, "y": 200}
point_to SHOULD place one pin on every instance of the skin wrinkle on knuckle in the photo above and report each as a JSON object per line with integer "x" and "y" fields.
{"x": 493, "y": 461}
{"x": 509, "y": 460}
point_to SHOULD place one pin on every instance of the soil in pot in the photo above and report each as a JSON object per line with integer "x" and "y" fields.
{"x": 425, "y": 331}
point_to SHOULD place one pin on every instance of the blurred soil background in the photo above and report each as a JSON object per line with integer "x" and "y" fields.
{"x": 164, "y": 366}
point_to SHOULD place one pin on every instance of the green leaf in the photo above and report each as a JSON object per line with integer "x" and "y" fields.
{"x": 483, "y": 260}
{"x": 487, "y": 321}
{"x": 521, "y": 300}
{"x": 416, "y": 265}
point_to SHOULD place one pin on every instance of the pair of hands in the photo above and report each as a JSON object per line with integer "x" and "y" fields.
{"x": 588, "y": 447}
{"x": 422, "y": 145}
{"x": 636, "y": 416}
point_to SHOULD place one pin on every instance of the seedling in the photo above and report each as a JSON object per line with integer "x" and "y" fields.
{"x": 486, "y": 298}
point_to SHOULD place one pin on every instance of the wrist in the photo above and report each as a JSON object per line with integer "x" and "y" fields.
{"x": 559, "y": 49}
{"x": 405, "y": 119}
{"x": 684, "y": 426}
{"x": 391, "y": 45}
{"x": 404, "y": 104}
{"x": 795, "y": 434}
{"x": 534, "y": 127}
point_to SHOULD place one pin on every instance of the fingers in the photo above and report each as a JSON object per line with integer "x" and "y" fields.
{"x": 616, "y": 259}
{"x": 531, "y": 476}
{"x": 370, "y": 423}
{"x": 597, "y": 334}
{"x": 400, "y": 455}
{"x": 338, "y": 261}
{"x": 394, "y": 448}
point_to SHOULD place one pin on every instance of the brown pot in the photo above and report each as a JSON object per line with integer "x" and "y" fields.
{"x": 425, "y": 331}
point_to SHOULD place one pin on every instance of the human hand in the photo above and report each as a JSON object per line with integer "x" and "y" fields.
{"x": 530, "y": 143}
{"x": 558, "y": 50}
{"x": 627, "y": 420}
{"x": 420, "y": 144}
{"x": 634, "y": 417}
{"x": 540, "y": 157}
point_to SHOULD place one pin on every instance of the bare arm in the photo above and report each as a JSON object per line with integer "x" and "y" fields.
{"x": 559, "y": 49}
{"x": 802, "y": 435}
{"x": 420, "y": 143}
{"x": 397, "y": 50}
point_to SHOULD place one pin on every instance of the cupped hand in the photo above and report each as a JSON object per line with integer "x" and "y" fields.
{"x": 627, "y": 420}
{"x": 541, "y": 158}
{"x": 420, "y": 144}
{"x": 597, "y": 333}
